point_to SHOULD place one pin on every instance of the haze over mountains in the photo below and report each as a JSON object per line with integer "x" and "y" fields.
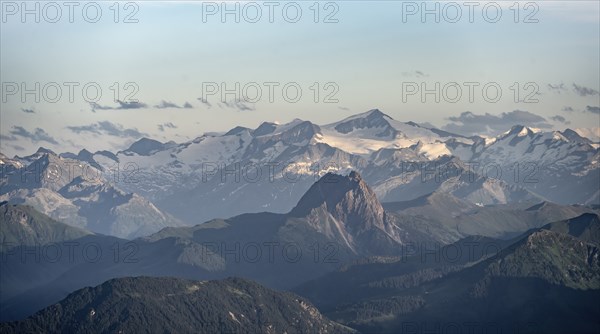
{"x": 79, "y": 194}
{"x": 269, "y": 168}
{"x": 384, "y": 226}
{"x": 339, "y": 221}
{"x": 553, "y": 275}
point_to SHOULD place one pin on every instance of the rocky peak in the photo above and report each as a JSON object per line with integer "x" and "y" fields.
{"x": 301, "y": 132}
{"x": 264, "y": 129}
{"x": 347, "y": 198}
{"x": 146, "y": 147}
{"x": 521, "y": 131}
{"x": 575, "y": 137}
{"x": 369, "y": 120}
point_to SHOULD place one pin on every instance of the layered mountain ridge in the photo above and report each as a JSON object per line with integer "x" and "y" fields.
{"x": 365, "y": 264}
{"x": 81, "y": 195}
{"x": 553, "y": 270}
{"x": 269, "y": 168}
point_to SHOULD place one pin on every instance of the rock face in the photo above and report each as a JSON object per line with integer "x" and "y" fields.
{"x": 356, "y": 210}
{"x": 171, "y": 305}
{"x": 146, "y": 147}
{"x": 374, "y": 119}
{"x": 347, "y": 199}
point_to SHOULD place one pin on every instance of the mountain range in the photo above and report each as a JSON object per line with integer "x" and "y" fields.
{"x": 383, "y": 226}
{"x": 220, "y": 175}
{"x": 79, "y": 194}
{"x": 475, "y": 285}
{"x": 345, "y": 222}
{"x": 337, "y": 222}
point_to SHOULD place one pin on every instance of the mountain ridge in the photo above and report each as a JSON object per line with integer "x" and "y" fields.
{"x": 270, "y": 167}
{"x": 178, "y": 305}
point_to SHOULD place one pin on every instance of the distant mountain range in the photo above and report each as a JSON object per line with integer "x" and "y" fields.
{"x": 269, "y": 168}
{"x": 384, "y": 226}
{"x": 79, "y": 194}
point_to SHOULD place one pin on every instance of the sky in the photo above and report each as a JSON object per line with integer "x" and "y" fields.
{"x": 104, "y": 75}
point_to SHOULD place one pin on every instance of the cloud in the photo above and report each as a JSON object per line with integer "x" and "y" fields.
{"x": 95, "y": 106}
{"x": 107, "y": 128}
{"x": 239, "y": 105}
{"x": 122, "y": 105}
{"x": 469, "y": 123}
{"x": 584, "y": 91}
{"x": 28, "y": 110}
{"x": 167, "y": 104}
{"x": 8, "y": 138}
{"x": 416, "y": 73}
{"x": 14, "y": 146}
{"x": 161, "y": 127}
{"x": 567, "y": 109}
{"x": 579, "y": 90}
{"x": 560, "y": 119}
{"x": 205, "y": 102}
{"x": 131, "y": 105}
{"x": 18, "y": 148}
{"x": 592, "y": 109}
{"x": 557, "y": 88}
{"x": 37, "y": 135}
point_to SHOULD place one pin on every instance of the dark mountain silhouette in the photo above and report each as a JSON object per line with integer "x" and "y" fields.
{"x": 171, "y": 305}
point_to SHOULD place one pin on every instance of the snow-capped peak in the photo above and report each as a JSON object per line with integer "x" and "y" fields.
{"x": 272, "y": 128}
{"x": 557, "y": 135}
{"x": 520, "y": 131}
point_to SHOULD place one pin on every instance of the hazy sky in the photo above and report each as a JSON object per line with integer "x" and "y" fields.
{"x": 369, "y": 58}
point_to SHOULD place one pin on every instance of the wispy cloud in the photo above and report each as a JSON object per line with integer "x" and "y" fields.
{"x": 38, "y": 135}
{"x": 415, "y": 74}
{"x": 161, "y": 127}
{"x": 239, "y": 105}
{"x": 107, "y": 128}
{"x": 18, "y": 147}
{"x": 560, "y": 119}
{"x": 557, "y": 88}
{"x": 567, "y": 109}
{"x": 167, "y": 104}
{"x": 592, "y": 109}
{"x": 122, "y": 105}
{"x": 578, "y": 89}
{"x": 584, "y": 91}
{"x": 468, "y": 123}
